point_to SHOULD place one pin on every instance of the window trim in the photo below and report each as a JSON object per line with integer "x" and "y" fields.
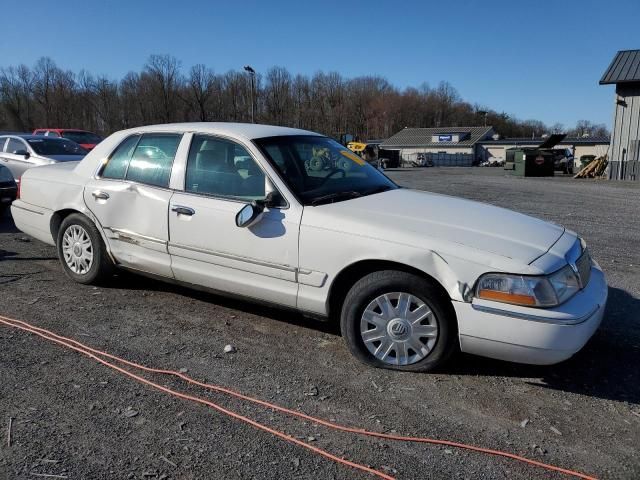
{"x": 235, "y": 141}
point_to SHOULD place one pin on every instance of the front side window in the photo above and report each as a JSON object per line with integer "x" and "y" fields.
{"x": 14, "y": 145}
{"x": 223, "y": 168}
{"x": 320, "y": 170}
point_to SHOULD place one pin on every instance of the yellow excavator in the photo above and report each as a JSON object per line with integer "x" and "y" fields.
{"x": 356, "y": 147}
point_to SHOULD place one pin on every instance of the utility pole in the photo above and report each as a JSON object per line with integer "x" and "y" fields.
{"x": 252, "y": 74}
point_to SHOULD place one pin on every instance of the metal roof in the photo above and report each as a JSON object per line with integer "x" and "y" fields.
{"x": 421, "y": 137}
{"x": 625, "y": 67}
{"x": 537, "y": 141}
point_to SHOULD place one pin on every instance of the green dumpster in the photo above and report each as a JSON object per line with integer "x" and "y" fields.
{"x": 530, "y": 162}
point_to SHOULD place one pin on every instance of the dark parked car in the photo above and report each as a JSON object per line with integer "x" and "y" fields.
{"x": 8, "y": 188}
{"x": 87, "y": 140}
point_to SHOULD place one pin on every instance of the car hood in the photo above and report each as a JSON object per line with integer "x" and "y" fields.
{"x": 439, "y": 222}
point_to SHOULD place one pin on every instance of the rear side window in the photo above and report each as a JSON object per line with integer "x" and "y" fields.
{"x": 116, "y": 167}
{"x": 153, "y": 158}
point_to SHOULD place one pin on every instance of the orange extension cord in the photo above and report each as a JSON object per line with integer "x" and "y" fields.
{"x": 96, "y": 354}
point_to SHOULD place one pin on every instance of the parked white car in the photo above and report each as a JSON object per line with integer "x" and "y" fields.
{"x": 20, "y": 152}
{"x": 246, "y": 210}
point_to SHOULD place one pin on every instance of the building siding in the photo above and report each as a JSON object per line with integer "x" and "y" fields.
{"x": 626, "y": 129}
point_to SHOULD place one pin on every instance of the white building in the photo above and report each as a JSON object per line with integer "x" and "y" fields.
{"x": 624, "y": 73}
{"x": 455, "y": 146}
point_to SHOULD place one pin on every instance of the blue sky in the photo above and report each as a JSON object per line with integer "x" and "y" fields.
{"x": 537, "y": 60}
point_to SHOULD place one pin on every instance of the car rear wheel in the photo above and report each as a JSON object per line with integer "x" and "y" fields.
{"x": 82, "y": 252}
{"x": 397, "y": 320}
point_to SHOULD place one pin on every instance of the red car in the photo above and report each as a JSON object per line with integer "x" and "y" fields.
{"x": 87, "y": 140}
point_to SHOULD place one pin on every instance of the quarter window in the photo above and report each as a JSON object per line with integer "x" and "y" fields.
{"x": 222, "y": 168}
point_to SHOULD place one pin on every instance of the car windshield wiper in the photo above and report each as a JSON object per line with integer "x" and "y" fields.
{"x": 334, "y": 197}
{"x": 378, "y": 189}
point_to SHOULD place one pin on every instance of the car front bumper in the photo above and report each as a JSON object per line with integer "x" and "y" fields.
{"x": 538, "y": 336}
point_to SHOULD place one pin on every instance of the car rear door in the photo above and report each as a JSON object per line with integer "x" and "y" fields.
{"x": 206, "y": 246}
{"x": 130, "y": 198}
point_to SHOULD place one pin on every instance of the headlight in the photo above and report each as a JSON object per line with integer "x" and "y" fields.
{"x": 542, "y": 291}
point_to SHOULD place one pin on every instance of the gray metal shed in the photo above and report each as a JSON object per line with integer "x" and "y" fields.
{"x": 624, "y": 152}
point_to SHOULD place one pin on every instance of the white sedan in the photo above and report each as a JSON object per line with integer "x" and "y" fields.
{"x": 293, "y": 218}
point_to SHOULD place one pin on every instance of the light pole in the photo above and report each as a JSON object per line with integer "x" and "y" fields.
{"x": 252, "y": 74}
{"x": 484, "y": 115}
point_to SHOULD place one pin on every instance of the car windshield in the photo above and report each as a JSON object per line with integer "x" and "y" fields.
{"x": 86, "y": 138}
{"x": 320, "y": 170}
{"x": 55, "y": 146}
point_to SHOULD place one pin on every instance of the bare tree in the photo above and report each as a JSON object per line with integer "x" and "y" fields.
{"x": 162, "y": 76}
{"x": 202, "y": 86}
{"x": 366, "y": 107}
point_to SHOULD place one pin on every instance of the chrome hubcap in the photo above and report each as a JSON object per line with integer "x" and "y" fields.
{"x": 398, "y": 328}
{"x": 77, "y": 249}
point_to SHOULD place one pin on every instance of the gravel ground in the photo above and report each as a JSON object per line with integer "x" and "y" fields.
{"x": 76, "y": 419}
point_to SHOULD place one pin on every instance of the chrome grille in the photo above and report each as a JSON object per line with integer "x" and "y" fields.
{"x": 583, "y": 266}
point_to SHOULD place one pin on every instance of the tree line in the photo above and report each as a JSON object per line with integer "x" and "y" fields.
{"x": 367, "y": 107}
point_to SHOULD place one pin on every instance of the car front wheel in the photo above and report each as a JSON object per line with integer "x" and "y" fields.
{"x": 398, "y": 320}
{"x": 82, "y": 252}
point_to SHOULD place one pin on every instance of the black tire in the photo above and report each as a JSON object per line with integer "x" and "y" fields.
{"x": 375, "y": 284}
{"x": 102, "y": 267}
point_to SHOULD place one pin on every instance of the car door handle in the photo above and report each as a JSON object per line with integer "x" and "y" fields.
{"x": 100, "y": 195}
{"x": 180, "y": 210}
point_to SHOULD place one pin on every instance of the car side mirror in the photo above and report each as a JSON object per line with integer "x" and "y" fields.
{"x": 272, "y": 200}
{"x": 250, "y": 214}
{"x": 22, "y": 152}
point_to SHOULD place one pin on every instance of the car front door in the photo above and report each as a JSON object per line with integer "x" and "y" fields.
{"x": 208, "y": 248}
{"x": 17, "y": 157}
{"x": 130, "y": 199}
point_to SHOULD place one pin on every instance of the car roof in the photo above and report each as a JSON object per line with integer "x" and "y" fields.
{"x": 248, "y": 131}
{"x": 28, "y": 136}
{"x": 60, "y": 130}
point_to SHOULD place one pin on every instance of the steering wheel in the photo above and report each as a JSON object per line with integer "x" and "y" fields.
{"x": 331, "y": 174}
